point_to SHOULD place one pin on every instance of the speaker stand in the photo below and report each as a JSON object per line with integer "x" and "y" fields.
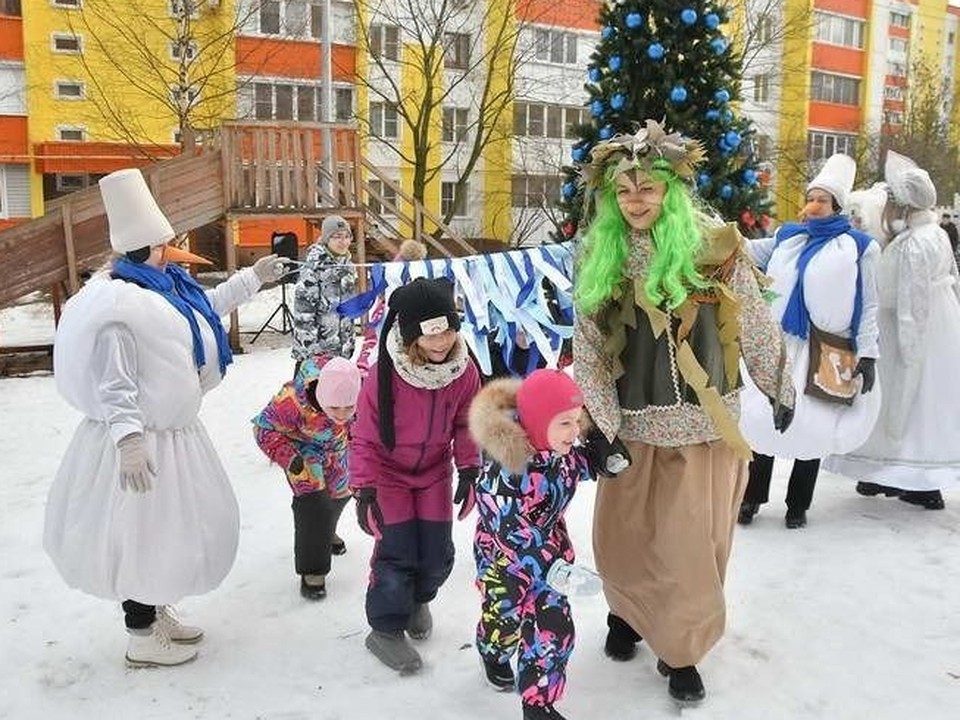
{"x": 286, "y": 317}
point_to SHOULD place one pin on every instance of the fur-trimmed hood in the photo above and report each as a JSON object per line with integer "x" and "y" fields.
{"x": 494, "y": 426}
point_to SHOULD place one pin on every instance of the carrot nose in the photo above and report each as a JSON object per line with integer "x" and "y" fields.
{"x": 171, "y": 253}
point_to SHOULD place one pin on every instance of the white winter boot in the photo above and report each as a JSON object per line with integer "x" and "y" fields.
{"x": 176, "y": 630}
{"x": 155, "y": 649}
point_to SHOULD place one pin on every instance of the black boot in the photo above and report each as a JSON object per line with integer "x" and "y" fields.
{"x": 499, "y": 674}
{"x": 928, "y": 499}
{"x": 795, "y": 519}
{"x": 337, "y": 545}
{"x": 685, "y": 686}
{"x": 621, "y": 644}
{"x": 313, "y": 590}
{"x": 869, "y": 489}
{"x": 747, "y": 511}
{"x": 541, "y": 712}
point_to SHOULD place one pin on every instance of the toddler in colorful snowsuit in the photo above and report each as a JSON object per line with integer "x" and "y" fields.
{"x": 304, "y": 429}
{"x": 411, "y": 428}
{"x": 523, "y": 552}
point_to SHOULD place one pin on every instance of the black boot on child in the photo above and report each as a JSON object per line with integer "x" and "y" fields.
{"x": 499, "y": 675}
{"x": 541, "y": 712}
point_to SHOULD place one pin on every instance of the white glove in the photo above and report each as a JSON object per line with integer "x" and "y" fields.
{"x": 270, "y": 268}
{"x": 569, "y": 579}
{"x": 136, "y": 467}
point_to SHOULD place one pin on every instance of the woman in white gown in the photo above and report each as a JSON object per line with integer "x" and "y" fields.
{"x": 914, "y": 450}
{"x": 141, "y": 510}
{"x": 824, "y": 281}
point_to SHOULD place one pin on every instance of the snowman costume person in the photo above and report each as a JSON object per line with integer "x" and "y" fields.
{"x": 141, "y": 509}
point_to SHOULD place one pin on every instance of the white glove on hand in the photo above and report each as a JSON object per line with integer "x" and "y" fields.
{"x": 270, "y": 268}
{"x": 569, "y": 579}
{"x": 136, "y": 467}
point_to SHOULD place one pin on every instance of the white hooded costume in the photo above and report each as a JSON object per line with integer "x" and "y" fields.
{"x": 915, "y": 444}
{"x": 124, "y": 357}
{"x": 819, "y": 428}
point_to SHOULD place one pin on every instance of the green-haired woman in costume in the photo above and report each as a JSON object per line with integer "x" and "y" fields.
{"x": 668, "y": 304}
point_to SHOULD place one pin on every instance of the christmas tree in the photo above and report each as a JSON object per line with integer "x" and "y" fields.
{"x": 670, "y": 60}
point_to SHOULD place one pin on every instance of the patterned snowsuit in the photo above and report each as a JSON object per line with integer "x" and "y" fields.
{"x": 325, "y": 281}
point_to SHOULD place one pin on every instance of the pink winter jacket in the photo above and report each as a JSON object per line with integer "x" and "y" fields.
{"x": 425, "y": 422}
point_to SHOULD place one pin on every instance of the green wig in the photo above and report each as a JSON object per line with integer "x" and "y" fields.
{"x": 677, "y": 241}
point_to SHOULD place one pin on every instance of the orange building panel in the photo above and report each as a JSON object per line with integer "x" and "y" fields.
{"x": 257, "y": 233}
{"x": 93, "y": 157}
{"x": 847, "y": 61}
{"x": 827, "y": 116}
{"x": 13, "y": 138}
{"x": 899, "y": 32}
{"x": 293, "y": 59}
{"x": 853, "y": 8}
{"x": 574, "y": 14}
{"x": 11, "y": 38}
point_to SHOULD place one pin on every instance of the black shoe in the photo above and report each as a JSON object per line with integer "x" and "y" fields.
{"x": 747, "y": 511}
{"x": 499, "y": 674}
{"x": 312, "y": 592}
{"x": 795, "y": 519}
{"x": 686, "y": 686}
{"x": 621, "y": 644}
{"x": 338, "y": 546}
{"x": 869, "y": 489}
{"x": 541, "y": 712}
{"x": 928, "y": 499}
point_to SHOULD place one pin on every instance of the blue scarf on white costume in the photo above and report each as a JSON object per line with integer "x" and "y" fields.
{"x": 186, "y": 295}
{"x": 820, "y": 231}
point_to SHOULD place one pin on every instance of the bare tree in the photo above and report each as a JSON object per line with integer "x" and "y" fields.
{"x": 142, "y": 65}
{"x": 766, "y": 25}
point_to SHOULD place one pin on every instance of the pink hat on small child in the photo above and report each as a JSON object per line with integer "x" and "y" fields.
{"x": 338, "y": 383}
{"x": 541, "y": 397}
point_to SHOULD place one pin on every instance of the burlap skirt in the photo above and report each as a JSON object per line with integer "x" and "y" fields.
{"x": 662, "y": 534}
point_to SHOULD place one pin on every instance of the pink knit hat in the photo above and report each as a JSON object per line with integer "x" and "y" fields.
{"x": 338, "y": 384}
{"x": 541, "y": 397}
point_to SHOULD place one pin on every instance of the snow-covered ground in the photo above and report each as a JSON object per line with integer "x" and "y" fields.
{"x": 854, "y": 617}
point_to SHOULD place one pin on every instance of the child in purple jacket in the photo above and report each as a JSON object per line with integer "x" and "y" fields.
{"x": 524, "y": 556}
{"x": 304, "y": 429}
{"x": 411, "y": 429}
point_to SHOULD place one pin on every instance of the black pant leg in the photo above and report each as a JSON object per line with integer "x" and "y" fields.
{"x": 138, "y": 616}
{"x": 758, "y": 484}
{"x": 803, "y": 478}
{"x": 435, "y": 553}
{"x": 314, "y": 519}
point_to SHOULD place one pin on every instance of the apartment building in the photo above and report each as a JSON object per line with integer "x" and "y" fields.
{"x": 14, "y": 144}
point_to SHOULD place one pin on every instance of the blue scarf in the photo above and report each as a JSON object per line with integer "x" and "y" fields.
{"x": 820, "y": 231}
{"x": 186, "y": 295}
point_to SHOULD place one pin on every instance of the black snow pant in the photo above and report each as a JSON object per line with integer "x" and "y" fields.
{"x": 315, "y": 517}
{"x": 410, "y": 562}
{"x": 803, "y": 479}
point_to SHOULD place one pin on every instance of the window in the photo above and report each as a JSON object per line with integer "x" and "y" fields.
{"x": 447, "y": 191}
{"x": 71, "y": 183}
{"x": 343, "y": 109}
{"x": 898, "y": 45}
{"x": 896, "y": 69}
{"x": 180, "y": 7}
{"x": 456, "y": 53}
{"x": 10, "y": 7}
{"x": 555, "y": 46}
{"x": 892, "y": 92}
{"x": 383, "y": 121}
{"x": 534, "y": 191}
{"x": 283, "y": 102}
{"x": 385, "y": 42}
{"x": 307, "y": 103}
{"x": 456, "y": 122}
{"x": 951, "y": 37}
{"x": 4, "y": 213}
{"x": 573, "y": 116}
{"x": 892, "y": 117}
{"x": 839, "y": 89}
{"x": 765, "y": 29}
{"x": 553, "y": 121}
{"x": 69, "y": 44}
{"x": 183, "y": 48}
{"x": 270, "y": 17}
{"x": 69, "y": 90}
{"x": 838, "y": 30}
{"x": 381, "y": 198}
{"x": 316, "y": 20}
{"x": 66, "y": 3}
{"x": 70, "y": 133}
{"x": 900, "y": 20}
{"x": 821, "y": 145}
{"x": 761, "y": 88}
{"x": 263, "y": 101}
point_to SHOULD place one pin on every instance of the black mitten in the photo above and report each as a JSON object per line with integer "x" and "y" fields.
{"x": 606, "y": 459}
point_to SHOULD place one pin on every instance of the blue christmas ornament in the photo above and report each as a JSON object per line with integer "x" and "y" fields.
{"x": 712, "y": 115}
{"x": 718, "y": 45}
{"x": 608, "y": 32}
{"x": 618, "y": 101}
{"x": 688, "y": 16}
{"x": 722, "y": 96}
{"x": 615, "y": 63}
{"x": 578, "y": 153}
{"x": 703, "y": 179}
{"x": 568, "y": 190}
{"x": 678, "y": 94}
{"x": 726, "y": 192}
{"x": 750, "y": 176}
{"x": 597, "y": 108}
{"x": 726, "y": 116}
{"x": 655, "y": 51}
{"x": 606, "y": 132}
{"x": 595, "y": 74}
{"x": 733, "y": 138}
{"x": 712, "y": 21}
{"x": 634, "y": 20}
